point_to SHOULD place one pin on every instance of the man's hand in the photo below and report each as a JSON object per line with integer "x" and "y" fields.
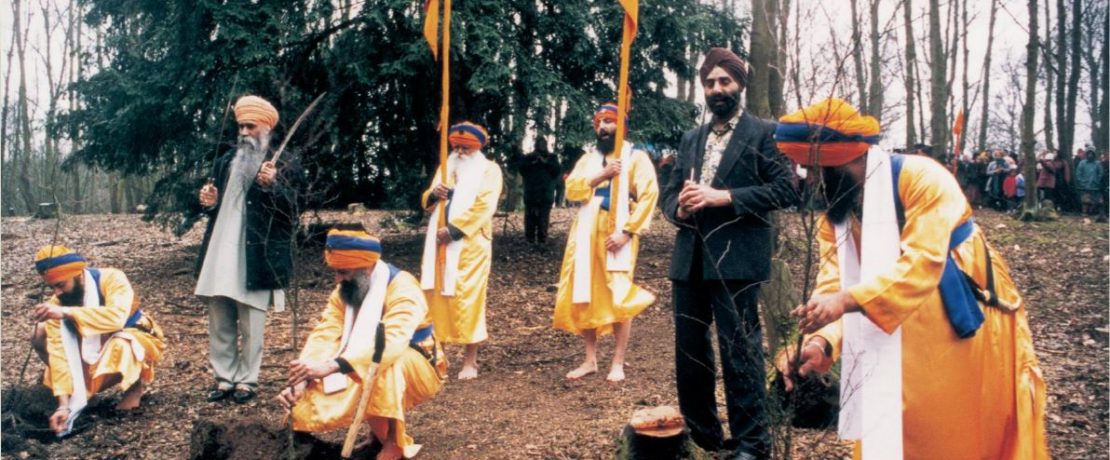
{"x": 814, "y": 359}
{"x": 615, "y": 242}
{"x": 58, "y": 419}
{"x": 266, "y": 174}
{"x": 443, "y": 236}
{"x": 208, "y": 195}
{"x": 611, "y": 170}
{"x": 45, "y": 311}
{"x": 824, "y": 309}
{"x": 695, "y": 197}
{"x": 303, "y": 371}
{"x": 290, "y": 395}
{"x": 441, "y": 192}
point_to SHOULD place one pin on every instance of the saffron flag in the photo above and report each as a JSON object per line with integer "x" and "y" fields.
{"x": 431, "y": 34}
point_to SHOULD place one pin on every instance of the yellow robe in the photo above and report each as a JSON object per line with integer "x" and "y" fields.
{"x": 603, "y": 310}
{"x": 981, "y": 397}
{"x": 404, "y": 379}
{"x": 462, "y": 318}
{"x": 116, "y": 355}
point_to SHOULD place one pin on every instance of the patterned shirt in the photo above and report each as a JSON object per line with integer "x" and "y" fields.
{"x": 715, "y": 146}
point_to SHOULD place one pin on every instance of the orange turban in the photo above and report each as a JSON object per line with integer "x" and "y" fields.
{"x": 57, "y": 263}
{"x": 256, "y": 110}
{"x": 828, "y": 133}
{"x": 467, "y": 134}
{"x": 351, "y": 249}
{"x": 607, "y": 111}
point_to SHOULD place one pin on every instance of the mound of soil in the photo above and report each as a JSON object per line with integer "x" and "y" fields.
{"x": 254, "y": 440}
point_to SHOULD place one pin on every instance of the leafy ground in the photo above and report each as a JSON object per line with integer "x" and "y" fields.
{"x": 520, "y": 407}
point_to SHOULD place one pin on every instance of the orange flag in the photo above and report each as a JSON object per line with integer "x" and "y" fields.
{"x": 431, "y": 25}
{"x": 957, "y": 130}
{"x": 624, "y": 97}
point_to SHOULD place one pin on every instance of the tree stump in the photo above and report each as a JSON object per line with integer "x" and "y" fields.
{"x": 657, "y": 433}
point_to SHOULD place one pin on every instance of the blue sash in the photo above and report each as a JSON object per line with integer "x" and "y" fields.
{"x": 960, "y": 303}
{"x": 134, "y": 319}
{"x": 603, "y": 192}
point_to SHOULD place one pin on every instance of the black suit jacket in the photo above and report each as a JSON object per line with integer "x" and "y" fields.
{"x": 734, "y": 241}
{"x": 271, "y": 217}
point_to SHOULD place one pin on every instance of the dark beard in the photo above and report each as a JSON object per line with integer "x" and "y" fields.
{"x": 606, "y": 142}
{"x": 74, "y": 298}
{"x": 723, "y": 105}
{"x": 353, "y": 292}
{"x": 842, "y": 193}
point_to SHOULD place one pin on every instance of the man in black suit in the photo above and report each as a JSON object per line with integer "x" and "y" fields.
{"x": 727, "y": 179}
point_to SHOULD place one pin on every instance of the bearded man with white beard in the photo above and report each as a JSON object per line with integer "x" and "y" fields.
{"x": 245, "y": 257}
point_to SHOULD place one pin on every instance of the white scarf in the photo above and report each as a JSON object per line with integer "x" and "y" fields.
{"x": 621, "y": 261}
{"x": 871, "y": 369}
{"x": 358, "y": 333}
{"x": 466, "y": 174}
{"x": 82, "y": 349}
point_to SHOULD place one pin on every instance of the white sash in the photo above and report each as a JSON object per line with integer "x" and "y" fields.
{"x": 467, "y": 173}
{"x": 359, "y": 333}
{"x": 621, "y": 261}
{"x": 871, "y": 368}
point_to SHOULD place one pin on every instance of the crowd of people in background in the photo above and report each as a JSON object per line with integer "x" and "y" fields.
{"x": 996, "y": 179}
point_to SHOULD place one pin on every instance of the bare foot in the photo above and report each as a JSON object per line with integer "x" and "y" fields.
{"x": 131, "y": 397}
{"x": 585, "y": 369}
{"x": 616, "y": 374}
{"x": 390, "y": 451}
{"x": 468, "y": 372}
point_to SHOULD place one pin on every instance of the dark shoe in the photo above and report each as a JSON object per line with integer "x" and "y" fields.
{"x": 217, "y": 394}
{"x": 242, "y": 395}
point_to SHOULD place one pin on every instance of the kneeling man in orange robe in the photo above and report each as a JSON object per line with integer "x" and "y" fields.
{"x": 327, "y": 380}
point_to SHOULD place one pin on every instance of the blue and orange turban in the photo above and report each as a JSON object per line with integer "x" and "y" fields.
{"x": 254, "y": 109}
{"x": 606, "y": 111}
{"x": 828, "y": 133}
{"x": 351, "y": 249}
{"x": 57, "y": 263}
{"x": 469, "y": 135}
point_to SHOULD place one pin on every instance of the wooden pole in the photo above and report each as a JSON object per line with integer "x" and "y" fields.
{"x": 364, "y": 392}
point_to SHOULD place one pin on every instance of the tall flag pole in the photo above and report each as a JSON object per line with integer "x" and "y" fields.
{"x": 431, "y": 29}
{"x": 624, "y": 98}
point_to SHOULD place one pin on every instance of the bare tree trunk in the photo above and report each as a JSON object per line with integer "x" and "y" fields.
{"x": 777, "y": 96}
{"x": 875, "y": 94}
{"x": 25, "y": 189}
{"x": 985, "y": 117}
{"x": 1061, "y": 76}
{"x": 911, "y": 63}
{"x": 857, "y": 57}
{"x": 762, "y": 40}
{"x": 1049, "y": 72}
{"x": 938, "y": 126}
{"x": 1028, "y": 139}
{"x": 965, "y": 103}
{"x": 1102, "y": 124}
{"x": 1067, "y": 127}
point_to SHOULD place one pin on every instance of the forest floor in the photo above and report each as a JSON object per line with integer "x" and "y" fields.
{"x": 520, "y": 406}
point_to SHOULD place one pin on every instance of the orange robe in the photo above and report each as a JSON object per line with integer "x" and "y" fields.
{"x": 116, "y": 354}
{"x": 404, "y": 379}
{"x": 980, "y": 397}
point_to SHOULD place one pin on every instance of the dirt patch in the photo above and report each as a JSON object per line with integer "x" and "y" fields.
{"x": 252, "y": 440}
